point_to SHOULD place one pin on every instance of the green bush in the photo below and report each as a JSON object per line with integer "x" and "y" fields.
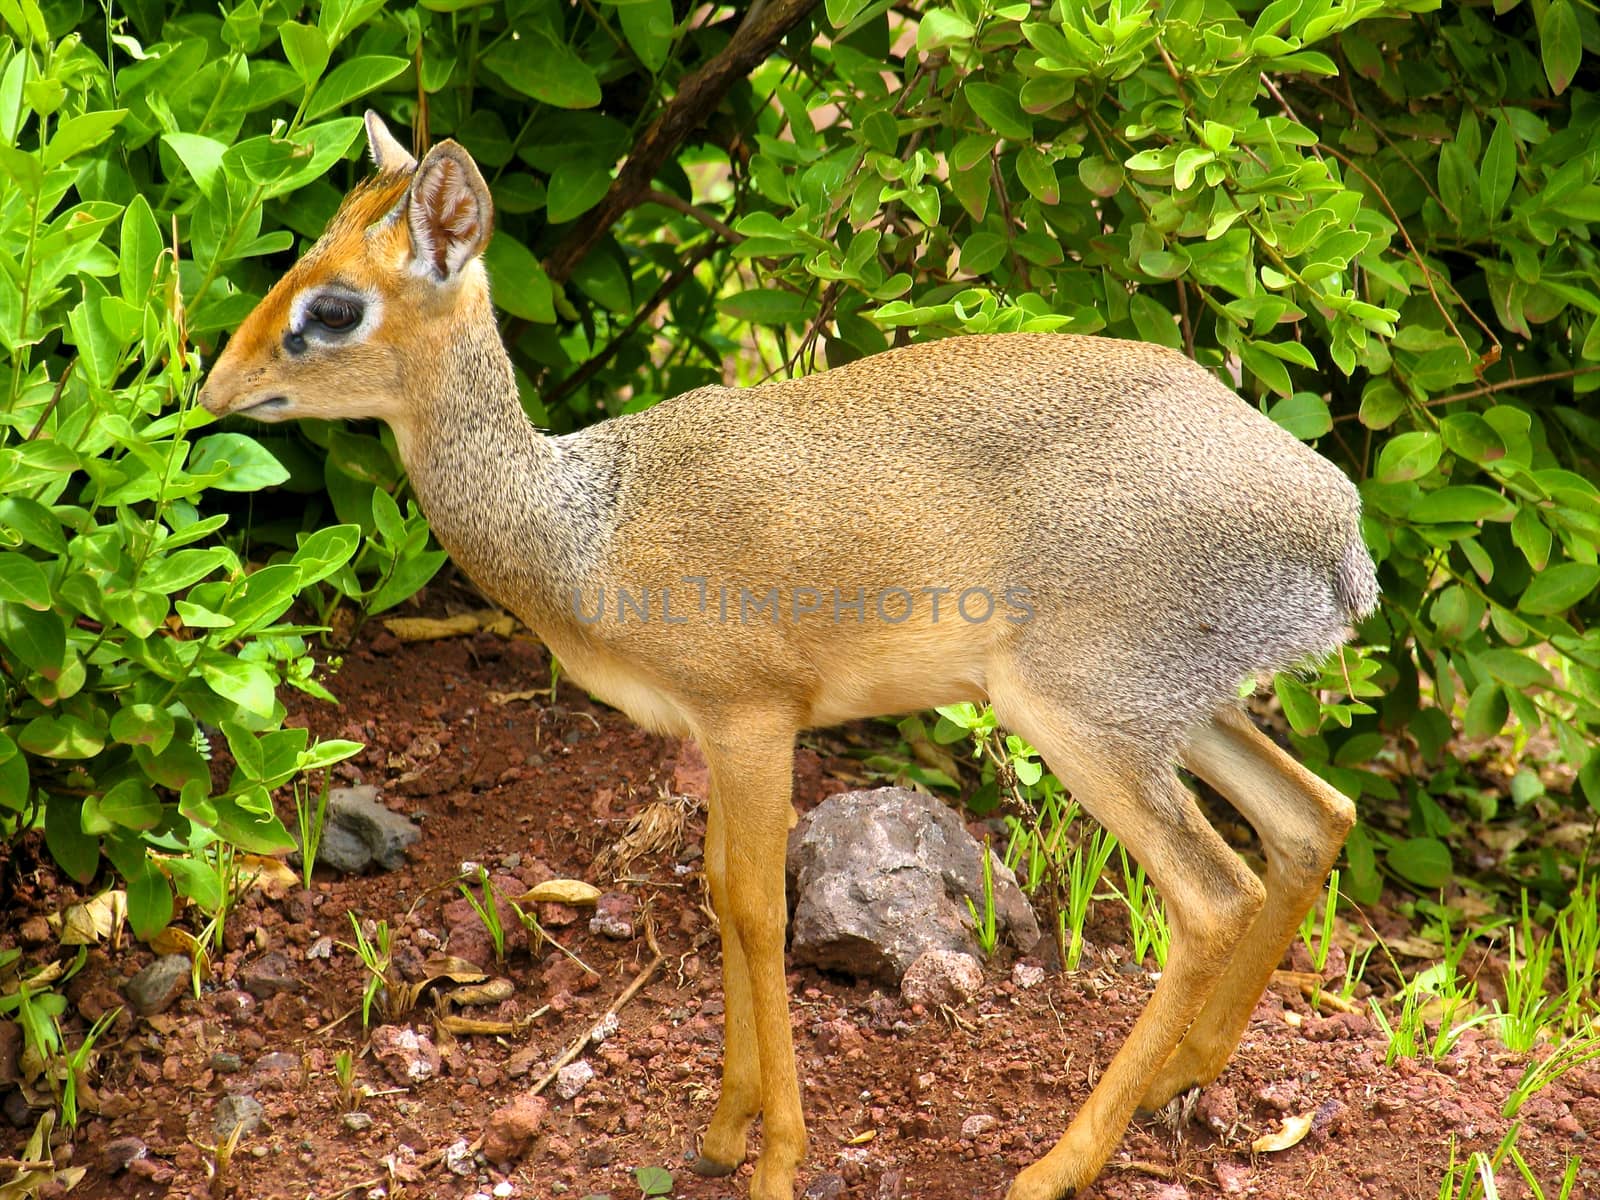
{"x": 1374, "y": 218}
{"x": 132, "y": 639}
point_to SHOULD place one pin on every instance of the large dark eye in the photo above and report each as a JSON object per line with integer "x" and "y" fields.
{"x": 336, "y": 313}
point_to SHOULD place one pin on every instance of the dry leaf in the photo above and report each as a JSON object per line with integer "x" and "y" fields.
{"x": 491, "y": 992}
{"x": 1293, "y": 1132}
{"x": 430, "y": 629}
{"x": 472, "y": 1025}
{"x": 861, "y": 1139}
{"x": 561, "y": 891}
{"x": 98, "y": 920}
{"x": 514, "y": 697}
{"x": 456, "y": 970}
{"x": 271, "y": 875}
{"x": 173, "y": 940}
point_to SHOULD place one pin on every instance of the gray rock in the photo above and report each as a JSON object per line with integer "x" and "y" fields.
{"x": 154, "y": 989}
{"x": 825, "y": 1187}
{"x": 613, "y": 916}
{"x": 942, "y": 977}
{"x": 361, "y": 831}
{"x": 119, "y": 1153}
{"x": 243, "y": 1113}
{"x": 357, "y": 1122}
{"x": 342, "y": 851}
{"x": 16, "y": 1110}
{"x": 409, "y": 1057}
{"x": 573, "y": 1078}
{"x": 269, "y": 975}
{"x": 978, "y": 1124}
{"x": 1026, "y": 975}
{"x": 879, "y": 877}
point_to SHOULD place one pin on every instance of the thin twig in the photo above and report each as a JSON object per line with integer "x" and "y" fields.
{"x": 591, "y": 366}
{"x": 55, "y": 399}
{"x": 580, "y": 1042}
{"x": 1427, "y": 271}
{"x": 1508, "y": 384}
{"x": 678, "y": 203}
{"x": 697, "y": 97}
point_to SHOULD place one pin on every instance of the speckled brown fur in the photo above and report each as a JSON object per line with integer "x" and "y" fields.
{"x": 1154, "y": 540}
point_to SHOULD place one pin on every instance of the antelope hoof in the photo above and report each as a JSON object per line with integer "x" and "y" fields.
{"x": 710, "y": 1168}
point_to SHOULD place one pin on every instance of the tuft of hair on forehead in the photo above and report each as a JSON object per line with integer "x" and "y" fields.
{"x": 369, "y": 202}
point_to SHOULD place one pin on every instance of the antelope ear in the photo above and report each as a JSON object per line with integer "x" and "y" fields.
{"x": 448, "y": 211}
{"x": 388, "y": 155}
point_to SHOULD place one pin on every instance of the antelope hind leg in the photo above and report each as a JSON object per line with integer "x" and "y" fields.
{"x": 1302, "y": 822}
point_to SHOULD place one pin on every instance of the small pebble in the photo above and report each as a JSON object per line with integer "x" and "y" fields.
{"x": 978, "y": 1124}
{"x": 573, "y": 1078}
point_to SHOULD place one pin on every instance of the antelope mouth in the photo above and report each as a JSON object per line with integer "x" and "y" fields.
{"x": 273, "y": 408}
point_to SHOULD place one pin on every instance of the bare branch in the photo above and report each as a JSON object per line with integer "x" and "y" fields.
{"x": 697, "y": 98}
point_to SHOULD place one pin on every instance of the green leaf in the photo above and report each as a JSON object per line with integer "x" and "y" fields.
{"x": 766, "y": 306}
{"x": 143, "y": 725}
{"x": 80, "y": 133}
{"x": 539, "y": 67}
{"x": 249, "y": 756}
{"x": 1512, "y": 667}
{"x": 327, "y": 752}
{"x": 1102, "y": 177}
{"x": 999, "y": 110}
{"x": 197, "y": 881}
{"x": 1408, "y": 456}
{"x": 33, "y": 523}
{"x": 248, "y": 685}
{"x": 201, "y": 156}
{"x": 982, "y": 252}
{"x": 149, "y": 902}
{"x": 252, "y": 826}
{"x": 1560, "y": 44}
{"x": 1303, "y": 414}
{"x": 1468, "y": 502}
{"x": 575, "y": 187}
{"x": 351, "y": 80}
{"x": 64, "y": 736}
{"x": 1499, "y": 171}
{"x": 14, "y": 784}
{"x": 941, "y": 27}
{"x": 130, "y": 804}
{"x": 1487, "y": 711}
{"x": 141, "y": 250}
{"x": 1299, "y": 705}
{"x": 76, "y": 851}
{"x": 1038, "y": 175}
{"x": 306, "y": 49}
{"x": 182, "y": 568}
{"x": 653, "y": 1181}
{"x": 325, "y": 551}
{"x": 1473, "y": 438}
{"x": 139, "y": 611}
{"x": 39, "y": 639}
{"x": 521, "y": 286}
{"x": 1423, "y": 861}
{"x": 1556, "y": 589}
{"x": 1532, "y": 536}
{"x": 247, "y": 466}
{"x": 23, "y": 581}
{"x": 648, "y": 28}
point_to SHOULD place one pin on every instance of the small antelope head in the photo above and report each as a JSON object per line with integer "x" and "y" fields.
{"x": 383, "y": 291}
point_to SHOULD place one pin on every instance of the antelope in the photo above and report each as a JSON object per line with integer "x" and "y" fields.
{"x": 738, "y": 564}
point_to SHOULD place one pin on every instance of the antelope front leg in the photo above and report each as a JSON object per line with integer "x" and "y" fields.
{"x": 751, "y": 780}
{"x": 723, "y": 1147}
